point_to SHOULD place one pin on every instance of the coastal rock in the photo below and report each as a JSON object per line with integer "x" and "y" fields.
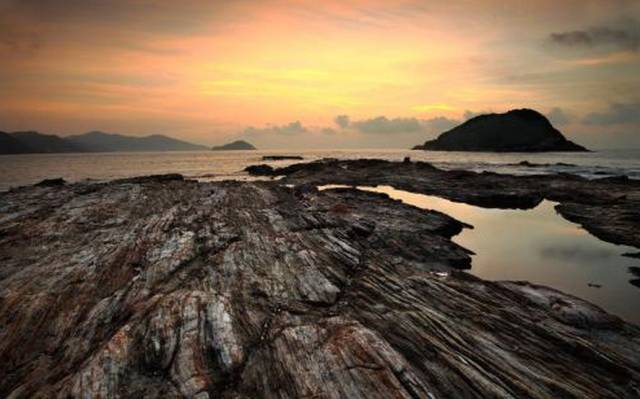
{"x": 170, "y": 288}
{"x": 259, "y": 170}
{"x": 282, "y": 158}
{"x": 520, "y": 130}
{"x": 51, "y": 182}
{"x": 607, "y": 208}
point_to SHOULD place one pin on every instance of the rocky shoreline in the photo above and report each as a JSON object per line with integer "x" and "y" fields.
{"x": 164, "y": 287}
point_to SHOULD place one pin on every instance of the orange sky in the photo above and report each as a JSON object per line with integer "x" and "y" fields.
{"x": 214, "y": 71}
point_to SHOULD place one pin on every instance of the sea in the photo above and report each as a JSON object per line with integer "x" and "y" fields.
{"x": 20, "y": 170}
{"x": 535, "y": 245}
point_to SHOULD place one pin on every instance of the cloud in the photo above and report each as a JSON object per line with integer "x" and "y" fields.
{"x": 624, "y": 37}
{"x": 289, "y": 129}
{"x": 618, "y": 113}
{"x": 439, "y": 124}
{"x": 382, "y": 124}
{"x": 342, "y": 121}
{"x": 558, "y": 116}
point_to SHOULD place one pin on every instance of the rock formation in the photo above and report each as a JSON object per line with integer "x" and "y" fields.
{"x": 520, "y": 130}
{"x": 161, "y": 287}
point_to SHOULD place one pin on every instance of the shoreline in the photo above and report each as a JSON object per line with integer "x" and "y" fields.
{"x": 161, "y": 286}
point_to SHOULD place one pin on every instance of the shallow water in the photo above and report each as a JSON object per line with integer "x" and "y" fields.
{"x": 539, "y": 246}
{"x": 19, "y": 170}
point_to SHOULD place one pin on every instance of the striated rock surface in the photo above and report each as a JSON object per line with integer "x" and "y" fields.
{"x": 161, "y": 287}
{"x": 519, "y": 130}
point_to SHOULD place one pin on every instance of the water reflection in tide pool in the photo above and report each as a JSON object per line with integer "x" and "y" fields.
{"x": 540, "y": 246}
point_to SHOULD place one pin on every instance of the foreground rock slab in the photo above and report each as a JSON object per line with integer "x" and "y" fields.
{"x": 160, "y": 287}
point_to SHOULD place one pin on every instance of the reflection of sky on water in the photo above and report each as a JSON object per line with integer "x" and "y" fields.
{"x": 540, "y": 246}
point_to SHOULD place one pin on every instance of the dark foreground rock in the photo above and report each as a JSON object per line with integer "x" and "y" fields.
{"x": 519, "y": 130}
{"x": 162, "y": 287}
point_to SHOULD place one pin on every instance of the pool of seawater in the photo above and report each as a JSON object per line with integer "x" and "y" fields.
{"x": 539, "y": 246}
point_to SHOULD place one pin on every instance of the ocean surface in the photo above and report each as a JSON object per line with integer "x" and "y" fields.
{"x": 19, "y": 170}
{"x": 534, "y": 245}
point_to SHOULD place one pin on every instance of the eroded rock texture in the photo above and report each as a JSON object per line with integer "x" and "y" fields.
{"x": 160, "y": 287}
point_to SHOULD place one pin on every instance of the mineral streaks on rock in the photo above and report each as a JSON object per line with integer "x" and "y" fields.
{"x": 168, "y": 288}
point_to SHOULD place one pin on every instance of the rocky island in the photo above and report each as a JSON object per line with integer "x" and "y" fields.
{"x": 237, "y": 145}
{"x": 520, "y": 130}
{"x": 164, "y": 287}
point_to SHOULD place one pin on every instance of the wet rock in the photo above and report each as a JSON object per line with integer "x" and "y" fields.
{"x": 282, "y": 157}
{"x": 170, "y": 288}
{"x": 259, "y": 170}
{"x": 51, "y": 182}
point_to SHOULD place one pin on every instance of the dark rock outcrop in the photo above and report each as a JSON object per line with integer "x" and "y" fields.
{"x": 159, "y": 287}
{"x": 52, "y": 182}
{"x": 259, "y": 170}
{"x": 235, "y": 145}
{"x": 521, "y": 130}
{"x": 282, "y": 158}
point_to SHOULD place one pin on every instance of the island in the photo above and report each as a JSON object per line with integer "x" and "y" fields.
{"x": 31, "y": 142}
{"x": 520, "y": 130}
{"x": 234, "y": 146}
{"x": 159, "y": 286}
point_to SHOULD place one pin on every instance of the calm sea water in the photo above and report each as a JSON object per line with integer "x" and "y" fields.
{"x": 18, "y": 170}
{"x": 535, "y": 245}
{"x": 540, "y": 246}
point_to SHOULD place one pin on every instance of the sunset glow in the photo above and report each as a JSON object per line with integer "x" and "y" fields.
{"x": 206, "y": 71}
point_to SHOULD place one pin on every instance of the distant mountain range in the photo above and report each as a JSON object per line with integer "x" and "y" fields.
{"x": 235, "y": 145}
{"x": 34, "y": 142}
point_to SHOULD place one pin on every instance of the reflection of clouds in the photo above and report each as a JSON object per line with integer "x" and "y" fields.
{"x": 458, "y": 210}
{"x": 576, "y": 253}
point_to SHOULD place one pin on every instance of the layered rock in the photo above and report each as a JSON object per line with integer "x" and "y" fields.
{"x": 161, "y": 287}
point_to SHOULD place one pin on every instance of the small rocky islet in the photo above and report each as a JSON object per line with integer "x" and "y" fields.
{"x": 164, "y": 287}
{"x": 518, "y": 130}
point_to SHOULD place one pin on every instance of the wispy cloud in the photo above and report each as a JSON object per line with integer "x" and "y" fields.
{"x": 288, "y": 129}
{"x": 617, "y": 114}
{"x": 624, "y": 37}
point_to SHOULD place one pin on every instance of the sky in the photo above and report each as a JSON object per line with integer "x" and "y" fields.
{"x": 310, "y": 74}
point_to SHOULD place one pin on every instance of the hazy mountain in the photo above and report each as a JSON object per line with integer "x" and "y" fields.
{"x": 34, "y": 142}
{"x": 236, "y": 145}
{"x": 110, "y": 142}
{"x": 520, "y": 130}
{"x": 11, "y": 145}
